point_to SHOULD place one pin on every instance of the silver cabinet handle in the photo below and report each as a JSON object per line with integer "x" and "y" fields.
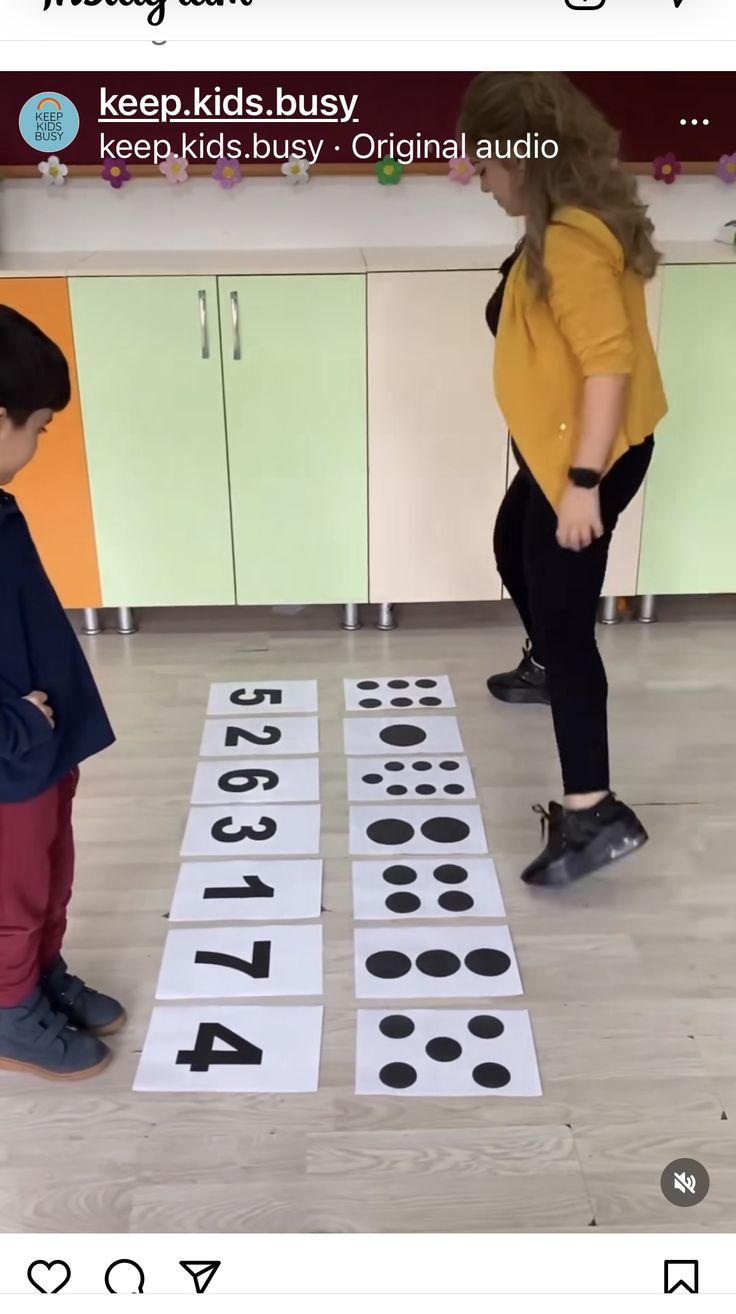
{"x": 203, "y": 326}
{"x": 235, "y": 312}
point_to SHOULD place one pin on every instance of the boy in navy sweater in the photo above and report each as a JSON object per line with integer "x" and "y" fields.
{"x": 51, "y": 719}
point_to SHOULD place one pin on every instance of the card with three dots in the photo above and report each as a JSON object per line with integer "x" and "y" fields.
{"x": 445, "y": 1052}
{"x": 435, "y": 962}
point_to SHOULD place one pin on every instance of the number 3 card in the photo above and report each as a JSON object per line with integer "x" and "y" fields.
{"x": 230, "y": 831}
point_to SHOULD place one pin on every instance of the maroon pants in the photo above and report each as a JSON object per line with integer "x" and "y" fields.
{"x": 36, "y": 876}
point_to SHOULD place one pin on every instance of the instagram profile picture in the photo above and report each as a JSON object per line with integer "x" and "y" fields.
{"x": 49, "y": 122}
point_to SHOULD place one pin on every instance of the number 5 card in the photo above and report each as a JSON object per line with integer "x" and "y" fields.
{"x": 230, "y": 831}
{"x": 263, "y": 696}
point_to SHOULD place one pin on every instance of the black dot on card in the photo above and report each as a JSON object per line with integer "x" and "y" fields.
{"x": 397, "y": 790}
{"x": 398, "y": 684}
{"x": 449, "y": 765}
{"x": 426, "y": 789}
{"x": 445, "y": 830}
{"x": 455, "y": 901}
{"x": 430, "y": 702}
{"x": 401, "y": 702}
{"x": 388, "y": 964}
{"x": 398, "y": 875}
{"x": 370, "y": 703}
{"x": 491, "y": 1075}
{"x": 487, "y": 962}
{"x": 396, "y": 1027}
{"x": 390, "y": 831}
{"x": 372, "y": 779}
{"x": 403, "y": 902}
{"x": 450, "y": 874}
{"x": 453, "y": 789}
{"x": 443, "y": 1049}
{"x": 403, "y": 736}
{"x": 485, "y": 1027}
{"x": 426, "y": 684}
{"x": 438, "y": 962}
{"x": 422, "y": 766}
{"x": 394, "y": 766}
{"x": 367, "y": 684}
{"x": 398, "y": 1075}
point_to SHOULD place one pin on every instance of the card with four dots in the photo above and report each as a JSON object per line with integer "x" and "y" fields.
{"x": 426, "y": 888}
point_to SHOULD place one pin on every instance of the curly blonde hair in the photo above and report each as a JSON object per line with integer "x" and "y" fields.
{"x": 586, "y": 171}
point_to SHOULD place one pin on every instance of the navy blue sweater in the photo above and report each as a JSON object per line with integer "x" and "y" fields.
{"x": 39, "y": 650}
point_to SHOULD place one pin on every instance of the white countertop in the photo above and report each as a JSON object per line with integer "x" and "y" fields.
{"x": 63, "y": 264}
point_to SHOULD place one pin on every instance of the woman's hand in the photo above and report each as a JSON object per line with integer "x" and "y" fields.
{"x": 579, "y": 518}
{"x": 41, "y": 701}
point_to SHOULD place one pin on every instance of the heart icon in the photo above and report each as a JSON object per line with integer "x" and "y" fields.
{"x": 49, "y": 1282}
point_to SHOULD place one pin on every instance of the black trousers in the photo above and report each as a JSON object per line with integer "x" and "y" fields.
{"x": 556, "y": 592}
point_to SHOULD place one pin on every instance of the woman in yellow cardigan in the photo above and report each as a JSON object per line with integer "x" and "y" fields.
{"x": 577, "y": 380}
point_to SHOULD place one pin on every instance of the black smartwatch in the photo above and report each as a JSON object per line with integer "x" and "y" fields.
{"x": 581, "y": 478}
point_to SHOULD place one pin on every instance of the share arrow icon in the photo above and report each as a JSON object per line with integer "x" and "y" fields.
{"x": 201, "y": 1271}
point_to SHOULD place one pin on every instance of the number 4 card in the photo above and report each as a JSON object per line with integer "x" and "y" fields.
{"x": 219, "y": 1048}
{"x": 263, "y": 696}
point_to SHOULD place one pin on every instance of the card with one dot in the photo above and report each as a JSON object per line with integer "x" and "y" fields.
{"x": 424, "y": 888}
{"x": 409, "y": 778}
{"x": 397, "y": 736}
{"x": 398, "y": 694}
{"x": 435, "y": 962}
{"x": 446, "y": 1052}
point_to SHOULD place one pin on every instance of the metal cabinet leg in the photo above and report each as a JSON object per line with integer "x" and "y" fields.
{"x": 126, "y": 621}
{"x": 647, "y": 606}
{"x": 609, "y": 614}
{"x": 386, "y": 620}
{"x": 351, "y": 616}
{"x": 91, "y": 623}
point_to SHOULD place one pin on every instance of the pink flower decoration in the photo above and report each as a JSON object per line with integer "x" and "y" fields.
{"x": 116, "y": 173}
{"x": 174, "y": 169}
{"x": 461, "y": 171}
{"x": 727, "y": 168}
{"x": 666, "y": 168}
{"x": 227, "y": 174}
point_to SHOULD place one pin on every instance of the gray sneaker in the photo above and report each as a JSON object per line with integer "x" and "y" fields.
{"x": 35, "y": 1039}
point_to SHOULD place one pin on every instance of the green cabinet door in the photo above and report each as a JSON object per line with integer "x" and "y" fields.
{"x": 150, "y": 375}
{"x": 294, "y": 364}
{"x": 689, "y": 535}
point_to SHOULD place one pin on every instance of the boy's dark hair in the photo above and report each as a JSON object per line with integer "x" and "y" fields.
{"x": 34, "y": 375}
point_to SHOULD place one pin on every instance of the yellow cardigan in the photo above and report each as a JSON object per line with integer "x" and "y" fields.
{"x": 594, "y": 321}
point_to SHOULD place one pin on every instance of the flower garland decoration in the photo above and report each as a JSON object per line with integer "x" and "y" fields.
{"x": 296, "y": 170}
{"x": 727, "y": 168}
{"x": 116, "y": 173}
{"x": 175, "y": 169}
{"x": 227, "y": 173}
{"x": 389, "y": 171}
{"x": 667, "y": 168}
{"x": 461, "y": 171}
{"x": 53, "y": 172}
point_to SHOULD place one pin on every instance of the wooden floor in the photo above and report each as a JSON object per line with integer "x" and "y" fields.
{"x": 630, "y": 978}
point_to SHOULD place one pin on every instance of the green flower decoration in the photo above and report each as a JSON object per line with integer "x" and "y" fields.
{"x": 389, "y": 171}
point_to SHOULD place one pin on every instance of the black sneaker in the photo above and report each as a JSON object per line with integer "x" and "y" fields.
{"x": 527, "y": 684}
{"x": 85, "y": 1009}
{"x": 35, "y": 1039}
{"x": 579, "y": 843}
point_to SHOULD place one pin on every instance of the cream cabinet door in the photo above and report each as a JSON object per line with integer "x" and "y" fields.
{"x": 437, "y": 444}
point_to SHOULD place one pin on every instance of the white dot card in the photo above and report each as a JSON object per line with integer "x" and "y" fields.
{"x": 417, "y": 829}
{"x": 446, "y": 888}
{"x": 399, "y": 693}
{"x": 435, "y": 962}
{"x": 366, "y": 736}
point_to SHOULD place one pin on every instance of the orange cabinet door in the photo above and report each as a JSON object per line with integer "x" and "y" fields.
{"x": 53, "y": 490}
